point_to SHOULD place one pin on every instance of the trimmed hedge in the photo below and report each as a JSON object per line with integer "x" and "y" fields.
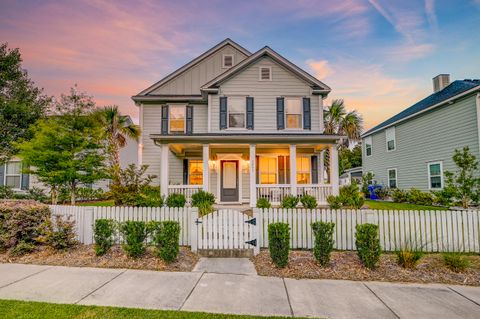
{"x": 166, "y": 239}
{"x": 279, "y": 243}
{"x": 263, "y": 203}
{"x": 324, "y": 241}
{"x": 134, "y": 235}
{"x": 104, "y": 233}
{"x": 61, "y": 233}
{"x": 290, "y": 201}
{"x": 368, "y": 244}
{"x": 308, "y": 201}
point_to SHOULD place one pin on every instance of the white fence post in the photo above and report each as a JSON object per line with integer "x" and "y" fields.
{"x": 193, "y": 230}
{"x": 88, "y": 225}
{"x": 257, "y": 232}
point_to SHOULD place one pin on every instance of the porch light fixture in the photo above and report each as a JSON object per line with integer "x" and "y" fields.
{"x": 246, "y": 166}
{"x": 212, "y": 164}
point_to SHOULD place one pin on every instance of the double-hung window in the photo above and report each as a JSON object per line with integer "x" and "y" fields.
{"x": 195, "y": 172}
{"x": 390, "y": 138}
{"x": 177, "y": 118}
{"x": 368, "y": 146}
{"x": 435, "y": 175}
{"x": 236, "y": 112}
{"x": 13, "y": 174}
{"x": 267, "y": 170}
{"x": 293, "y": 113}
{"x": 303, "y": 169}
{"x": 392, "y": 177}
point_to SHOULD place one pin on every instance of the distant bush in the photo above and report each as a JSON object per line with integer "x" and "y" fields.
{"x": 61, "y": 233}
{"x": 399, "y": 195}
{"x": 149, "y": 196}
{"x": 308, "y": 201}
{"x": 203, "y": 201}
{"x": 382, "y": 192}
{"x": 367, "y": 180}
{"x": 290, "y": 201}
{"x": 134, "y": 234}
{"x": 176, "y": 200}
{"x": 279, "y": 243}
{"x": 416, "y": 196}
{"x": 166, "y": 240}
{"x": 104, "y": 235}
{"x": 408, "y": 257}
{"x": 263, "y": 203}
{"x": 88, "y": 193}
{"x": 349, "y": 197}
{"x": 6, "y": 192}
{"x": 368, "y": 244}
{"x": 456, "y": 261}
{"x": 334, "y": 202}
{"x": 323, "y": 246}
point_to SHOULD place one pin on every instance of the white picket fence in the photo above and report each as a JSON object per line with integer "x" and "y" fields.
{"x": 432, "y": 231}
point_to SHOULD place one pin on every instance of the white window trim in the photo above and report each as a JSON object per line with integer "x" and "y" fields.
{"x": 184, "y": 118}
{"x": 244, "y": 98}
{"x": 5, "y": 174}
{"x": 390, "y": 129}
{"x": 223, "y": 61}
{"x": 301, "y": 113}
{"x": 396, "y": 176}
{"x": 368, "y": 139}
{"x": 260, "y": 73}
{"x": 429, "y": 176}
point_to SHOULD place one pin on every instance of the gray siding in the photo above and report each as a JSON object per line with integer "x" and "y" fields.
{"x": 283, "y": 83}
{"x": 200, "y": 118}
{"x": 151, "y": 153}
{"x": 432, "y": 136}
{"x": 190, "y": 81}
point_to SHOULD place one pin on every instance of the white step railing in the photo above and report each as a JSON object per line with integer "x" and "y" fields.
{"x": 273, "y": 192}
{"x": 320, "y": 192}
{"x": 186, "y": 190}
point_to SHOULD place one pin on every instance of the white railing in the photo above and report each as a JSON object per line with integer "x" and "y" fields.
{"x": 273, "y": 192}
{"x": 320, "y": 192}
{"x": 186, "y": 190}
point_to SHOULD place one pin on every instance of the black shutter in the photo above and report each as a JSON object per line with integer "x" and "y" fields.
{"x": 2, "y": 174}
{"x": 249, "y": 113}
{"x": 281, "y": 169}
{"x": 164, "y": 119}
{"x": 280, "y": 113}
{"x": 287, "y": 169}
{"x": 307, "y": 118}
{"x": 185, "y": 171}
{"x": 223, "y": 112}
{"x": 25, "y": 182}
{"x": 314, "y": 169}
{"x": 189, "y": 119}
{"x": 257, "y": 169}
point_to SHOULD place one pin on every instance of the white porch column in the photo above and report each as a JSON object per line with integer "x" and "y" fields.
{"x": 164, "y": 169}
{"x": 206, "y": 168}
{"x": 253, "y": 176}
{"x": 334, "y": 178}
{"x": 322, "y": 167}
{"x": 293, "y": 169}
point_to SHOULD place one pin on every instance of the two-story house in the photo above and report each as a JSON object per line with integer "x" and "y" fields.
{"x": 239, "y": 125}
{"x": 415, "y": 147}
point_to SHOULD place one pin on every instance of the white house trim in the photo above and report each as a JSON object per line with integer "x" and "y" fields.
{"x": 441, "y": 174}
{"x": 253, "y": 175}
{"x": 230, "y": 156}
{"x": 205, "y": 161}
{"x": 293, "y": 169}
{"x": 396, "y": 176}
{"x": 478, "y": 115}
{"x": 164, "y": 150}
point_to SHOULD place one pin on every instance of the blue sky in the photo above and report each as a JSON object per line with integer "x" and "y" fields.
{"x": 379, "y": 56}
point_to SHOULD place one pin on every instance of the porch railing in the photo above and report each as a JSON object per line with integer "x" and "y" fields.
{"x": 186, "y": 190}
{"x": 276, "y": 192}
{"x": 320, "y": 192}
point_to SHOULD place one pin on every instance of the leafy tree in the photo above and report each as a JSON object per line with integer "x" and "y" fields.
{"x": 66, "y": 148}
{"x": 464, "y": 183}
{"x": 21, "y": 103}
{"x": 350, "y": 158}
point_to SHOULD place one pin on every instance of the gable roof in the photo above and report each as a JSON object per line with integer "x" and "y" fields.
{"x": 319, "y": 86}
{"x": 451, "y": 91}
{"x": 204, "y": 55}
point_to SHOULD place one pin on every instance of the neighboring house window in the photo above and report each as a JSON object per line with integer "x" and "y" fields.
{"x": 227, "y": 61}
{"x": 368, "y": 146}
{"x": 303, "y": 169}
{"x": 177, "y": 118}
{"x": 435, "y": 175}
{"x": 236, "y": 113}
{"x": 392, "y": 177}
{"x": 293, "y": 113}
{"x": 195, "y": 172}
{"x": 267, "y": 170}
{"x": 265, "y": 73}
{"x": 390, "y": 137}
{"x": 13, "y": 174}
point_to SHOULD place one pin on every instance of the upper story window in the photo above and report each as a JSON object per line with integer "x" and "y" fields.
{"x": 390, "y": 138}
{"x": 236, "y": 113}
{"x": 293, "y": 113}
{"x": 13, "y": 174}
{"x": 265, "y": 73}
{"x": 435, "y": 175}
{"x": 392, "y": 177}
{"x": 227, "y": 61}
{"x": 177, "y": 118}
{"x": 368, "y": 146}
{"x": 303, "y": 169}
{"x": 195, "y": 172}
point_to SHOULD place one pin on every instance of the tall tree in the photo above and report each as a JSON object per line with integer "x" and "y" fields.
{"x": 21, "y": 103}
{"x": 66, "y": 148}
{"x": 349, "y": 158}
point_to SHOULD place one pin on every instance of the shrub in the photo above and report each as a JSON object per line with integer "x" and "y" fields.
{"x": 204, "y": 201}
{"x": 308, "y": 201}
{"x": 368, "y": 244}
{"x": 6, "y": 192}
{"x": 323, "y": 245}
{"x": 382, "y": 192}
{"x": 88, "y": 193}
{"x": 61, "y": 233}
{"x": 279, "y": 243}
{"x": 367, "y": 180}
{"x": 166, "y": 239}
{"x": 22, "y": 222}
{"x": 289, "y": 201}
{"x": 408, "y": 257}
{"x": 37, "y": 194}
{"x": 399, "y": 195}
{"x": 445, "y": 196}
{"x": 132, "y": 188}
{"x": 176, "y": 200}
{"x": 263, "y": 203}
{"x": 205, "y": 208}
{"x": 455, "y": 261}
{"x": 149, "y": 196}
{"x": 134, "y": 234}
{"x": 418, "y": 197}
{"x": 104, "y": 232}
{"x": 334, "y": 202}
{"x": 22, "y": 248}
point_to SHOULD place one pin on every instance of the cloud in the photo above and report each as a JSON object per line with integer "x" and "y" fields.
{"x": 431, "y": 15}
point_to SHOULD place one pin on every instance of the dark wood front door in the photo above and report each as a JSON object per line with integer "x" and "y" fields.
{"x": 229, "y": 181}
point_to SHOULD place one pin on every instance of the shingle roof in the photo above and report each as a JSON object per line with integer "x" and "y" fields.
{"x": 453, "y": 89}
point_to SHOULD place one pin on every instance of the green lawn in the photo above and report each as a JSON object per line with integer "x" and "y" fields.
{"x": 373, "y": 204}
{"x": 32, "y": 310}
{"x": 98, "y": 203}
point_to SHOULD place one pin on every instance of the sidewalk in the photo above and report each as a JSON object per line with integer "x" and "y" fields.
{"x": 236, "y": 293}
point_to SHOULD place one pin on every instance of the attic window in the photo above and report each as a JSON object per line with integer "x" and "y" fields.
{"x": 227, "y": 61}
{"x": 265, "y": 73}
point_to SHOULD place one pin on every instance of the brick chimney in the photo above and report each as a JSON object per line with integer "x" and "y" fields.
{"x": 440, "y": 82}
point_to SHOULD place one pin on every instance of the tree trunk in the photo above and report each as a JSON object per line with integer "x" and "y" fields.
{"x": 54, "y": 195}
{"x": 72, "y": 193}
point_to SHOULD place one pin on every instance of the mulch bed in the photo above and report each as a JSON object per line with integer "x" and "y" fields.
{"x": 347, "y": 266}
{"x": 84, "y": 256}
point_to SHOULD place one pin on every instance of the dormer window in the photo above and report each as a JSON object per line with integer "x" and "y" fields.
{"x": 227, "y": 61}
{"x": 265, "y": 73}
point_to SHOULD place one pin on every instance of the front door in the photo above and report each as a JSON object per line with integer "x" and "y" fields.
{"x": 229, "y": 181}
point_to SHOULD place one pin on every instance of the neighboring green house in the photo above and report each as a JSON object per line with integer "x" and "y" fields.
{"x": 414, "y": 148}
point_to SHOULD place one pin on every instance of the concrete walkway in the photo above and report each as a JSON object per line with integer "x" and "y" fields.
{"x": 236, "y": 293}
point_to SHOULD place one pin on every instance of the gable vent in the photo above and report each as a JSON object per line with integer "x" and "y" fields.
{"x": 265, "y": 74}
{"x": 227, "y": 60}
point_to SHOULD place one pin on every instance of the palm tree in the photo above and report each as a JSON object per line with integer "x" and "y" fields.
{"x": 118, "y": 129}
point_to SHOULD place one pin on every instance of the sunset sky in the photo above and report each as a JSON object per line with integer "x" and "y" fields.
{"x": 380, "y": 56}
